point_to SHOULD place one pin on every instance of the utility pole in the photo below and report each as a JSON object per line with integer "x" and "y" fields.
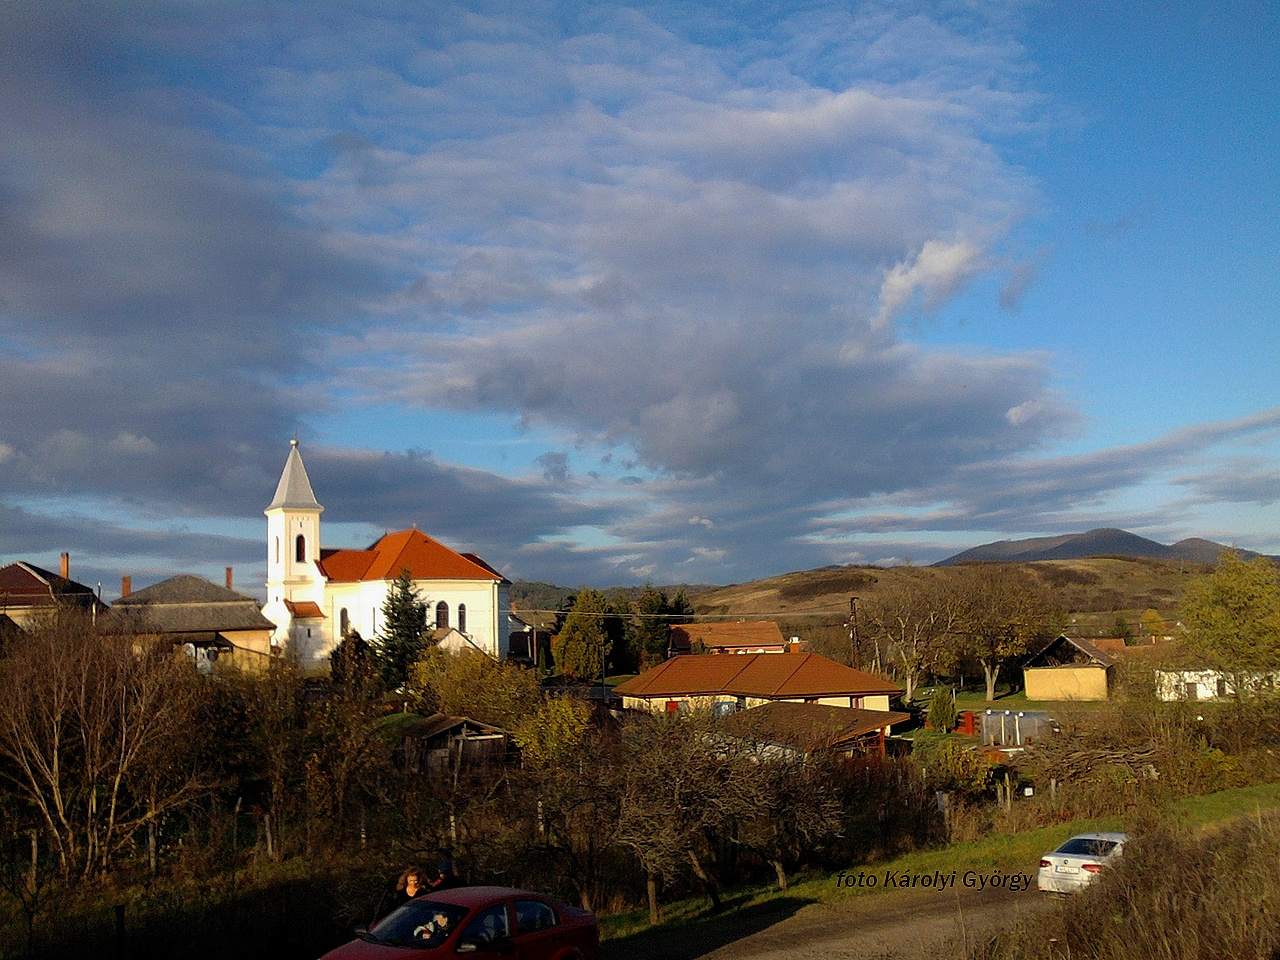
{"x": 855, "y": 641}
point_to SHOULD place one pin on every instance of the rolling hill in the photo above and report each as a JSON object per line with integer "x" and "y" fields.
{"x": 1103, "y": 542}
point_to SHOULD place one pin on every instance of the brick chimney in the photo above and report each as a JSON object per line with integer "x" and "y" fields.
{"x": 229, "y": 569}
{"x": 126, "y": 586}
{"x": 66, "y": 565}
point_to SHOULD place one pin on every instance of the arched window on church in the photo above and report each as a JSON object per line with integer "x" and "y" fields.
{"x": 300, "y": 549}
{"x": 344, "y": 622}
{"x": 462, "y": 618}
{"x": 277, "y": 549}
{"x": 442, "y": 615}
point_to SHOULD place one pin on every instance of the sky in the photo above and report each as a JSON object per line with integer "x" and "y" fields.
{"x": 611, "y": 294}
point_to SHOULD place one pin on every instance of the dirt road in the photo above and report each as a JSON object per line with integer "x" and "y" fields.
{"x": 889, "y": 925}
{"x": 894, "y": 925}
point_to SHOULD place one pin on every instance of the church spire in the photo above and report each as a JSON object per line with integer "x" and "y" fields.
{"x": 294, "y": 490}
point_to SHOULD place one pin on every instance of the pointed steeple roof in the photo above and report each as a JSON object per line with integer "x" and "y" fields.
{"x": 294, "y": 491}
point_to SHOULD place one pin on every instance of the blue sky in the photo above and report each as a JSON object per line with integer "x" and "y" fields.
{"x": 615, "y": 293}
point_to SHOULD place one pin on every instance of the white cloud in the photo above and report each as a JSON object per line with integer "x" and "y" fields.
{"x": 130, "y": 445}
{"x": 937, "y": 273}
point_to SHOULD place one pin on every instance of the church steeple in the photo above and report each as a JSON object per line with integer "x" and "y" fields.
{"x": 294, "y": 490}
{"x": 293, "y": 548}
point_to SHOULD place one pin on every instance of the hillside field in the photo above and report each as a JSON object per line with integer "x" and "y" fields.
{"x": 1093, "y": 592}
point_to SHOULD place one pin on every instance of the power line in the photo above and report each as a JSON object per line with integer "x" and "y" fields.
{"x": 684, "y": 617}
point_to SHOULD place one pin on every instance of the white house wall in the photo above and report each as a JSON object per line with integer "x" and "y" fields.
{"x": 488, "y": 605}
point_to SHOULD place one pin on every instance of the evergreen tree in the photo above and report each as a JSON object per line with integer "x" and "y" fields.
{"x": 582, "y": 640}
{"x": 942, "y": 710}
{"x": 403, "y": 638}
{"x": 650, "y": 633}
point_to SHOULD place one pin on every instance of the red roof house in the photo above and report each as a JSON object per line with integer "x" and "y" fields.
{"x": 750, "y": 680}
{"x": 28, "y": 593}
{"x": 759, "y": 636}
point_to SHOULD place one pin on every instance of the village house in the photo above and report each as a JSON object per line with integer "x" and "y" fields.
{"x": 787, "y": 729}
{"x": 727, "y": 684}
{"x": 210, "y": 623}
{"x": 1207, "y": 684}
{"x": 760, "y": 636}
{"x": 30, "y": 594}
{"x": 316, "y": 596}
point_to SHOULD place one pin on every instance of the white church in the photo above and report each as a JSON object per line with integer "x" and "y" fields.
{"x": 316, "y": 596}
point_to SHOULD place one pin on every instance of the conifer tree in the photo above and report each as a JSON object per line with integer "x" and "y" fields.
{"x": 581, "y": 642}
{"x": 403, "y": 637}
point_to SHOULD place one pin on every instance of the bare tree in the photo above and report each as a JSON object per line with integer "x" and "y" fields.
{"x": 97, "y": 730}
{"x": 277, "y": 721}
{"x": 682, "y": 785}
{"x": 347, "y": 750}
{"x": 914, "y": 620}
{"x": 999, "y": 610}
{"x": 576, "y": 804}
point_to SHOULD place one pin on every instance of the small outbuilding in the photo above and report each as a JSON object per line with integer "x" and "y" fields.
{"x": 1068, "y": 668}
{"x": 441, "y": 744}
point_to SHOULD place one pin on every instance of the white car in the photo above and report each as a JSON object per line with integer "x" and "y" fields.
{"x": 1077, "y": 863}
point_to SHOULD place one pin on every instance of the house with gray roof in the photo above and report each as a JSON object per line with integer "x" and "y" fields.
{"x": 212, "y": 623}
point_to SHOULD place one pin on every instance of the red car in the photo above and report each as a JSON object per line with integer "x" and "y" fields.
{"x": 479, "y": 922}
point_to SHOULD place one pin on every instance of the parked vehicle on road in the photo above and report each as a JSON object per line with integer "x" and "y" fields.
{"x": 483, "y": 923}
{"x": 1077, "y": 863}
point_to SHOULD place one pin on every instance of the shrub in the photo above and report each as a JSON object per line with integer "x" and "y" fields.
{"x": 1172, "y": 895}
{"x": 942, "y": 710}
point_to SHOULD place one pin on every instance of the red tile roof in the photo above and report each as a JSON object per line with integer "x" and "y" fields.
{"x": 759, "y": 633}
{"x": 808, "y": 726}
{"x": 769, "y": 676}
{"x": 24, "y": 584}
{"x": 304, "y": 609}
{"x": 423, "y": 557}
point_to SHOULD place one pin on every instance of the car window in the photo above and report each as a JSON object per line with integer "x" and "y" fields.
{"x": 533, "y": 915}
{"x": 1087, "y": 847}
{"x": 419, "y": 923}
{"x": 487, "y": 926}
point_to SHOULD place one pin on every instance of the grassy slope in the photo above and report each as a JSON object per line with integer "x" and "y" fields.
{"x": 1006, "y": 852}
{"x": 1093, "y": 590}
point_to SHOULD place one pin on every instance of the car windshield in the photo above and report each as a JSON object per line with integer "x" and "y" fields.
{"x": 1087, "y": 847}
{"x": 419, "y": 923}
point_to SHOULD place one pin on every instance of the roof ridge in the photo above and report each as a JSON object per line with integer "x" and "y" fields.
{"x": 801, "y": 660}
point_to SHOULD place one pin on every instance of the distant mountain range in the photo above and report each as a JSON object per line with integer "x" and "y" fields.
{"x": 1103, "y": 542}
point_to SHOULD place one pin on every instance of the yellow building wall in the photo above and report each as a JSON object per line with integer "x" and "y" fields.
{"x": 251, "y": 653}
{"x": 1066, "y": 683}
